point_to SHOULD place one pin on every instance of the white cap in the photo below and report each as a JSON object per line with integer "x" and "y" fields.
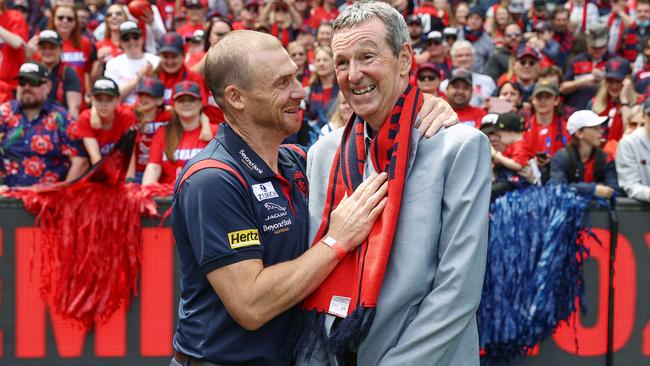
{"x": 585, "y": 118}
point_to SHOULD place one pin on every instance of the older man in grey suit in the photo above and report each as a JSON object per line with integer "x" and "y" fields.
{"x": 425, "y": 310}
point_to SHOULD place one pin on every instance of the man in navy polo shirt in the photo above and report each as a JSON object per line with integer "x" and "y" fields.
{"x": 241, "y": 229}
{"x": 240, "y": 214}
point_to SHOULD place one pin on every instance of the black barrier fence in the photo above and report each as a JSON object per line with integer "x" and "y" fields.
{"x": 31, "y": 335}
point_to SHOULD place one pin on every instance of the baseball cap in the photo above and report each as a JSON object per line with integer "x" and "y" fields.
{"x": 171, "y": 42}
{"x": 187, "y": 88}
{"x": 106, "y": 86}
{"x": 478, "y": 10}
{"x": 33, "y": 71}
{"x": 598, "y": 35}
{"x": 21, "y": 4}
{"x": 528, "y": 51}
{"x": 543, "y": 26}
{"x": 434, "y": 36}
{"x": 646, "y": 106}
{"x": 545, "y": 86}
{"x": 413, "y": 19}
{"x": 461, "y": 74}
{"x": 195, "y": 3}
{"x": 582, "y": 119}
{"x": 197, "y": 36}
{"x": 428, "y": 66}
{"x": 50, "y": 36}
{"x": 489, "y": 123}
{"x": 252, "y": 3}
{"x": 517, "y": 7}
{"x": 617, "y": 68}
{"x": 129, "y": 27}
{"x": 151, "y": 86}
{"x": 450, "y": 32}
{"x": 510, "y": 121}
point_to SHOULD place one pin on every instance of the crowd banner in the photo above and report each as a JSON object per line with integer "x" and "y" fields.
{"x": 30, "y": 334}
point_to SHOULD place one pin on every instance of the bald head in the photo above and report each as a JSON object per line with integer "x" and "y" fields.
{"x": 229, "y": 61}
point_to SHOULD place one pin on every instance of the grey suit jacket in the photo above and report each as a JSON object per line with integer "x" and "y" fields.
{"x": 432, "y": 286}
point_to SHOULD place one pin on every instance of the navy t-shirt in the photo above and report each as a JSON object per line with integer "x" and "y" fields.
{"x": 219, "y": 220}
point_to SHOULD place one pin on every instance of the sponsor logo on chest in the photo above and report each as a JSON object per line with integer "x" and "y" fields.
{"x": 264, "y": 191}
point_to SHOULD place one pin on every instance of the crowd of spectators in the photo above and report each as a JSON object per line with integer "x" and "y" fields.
{"x": 560, "y": 87}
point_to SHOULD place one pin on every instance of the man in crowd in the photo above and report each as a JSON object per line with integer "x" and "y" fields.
{"x": 583, "y": 75}
{"x": 463, "y": 57}
{"x": 499, "y": 61}
{"x": 434, "y": 227}
{"x": 13, "y": 35}
{"x": 196, "y": 15}
{"x": 34, "y": 140}
{"x": 436, "y": 53}
{"x": 244, "y": 269}
{"x": 415, "y": 32}
{"x": 634, "y": 36}
{"x": 561, "y": 32}
{"x": 428, "y": 78}
{"x": 632, "y": 160}
{"x": 459, "y": 93}
{"x": 66, "y": 87}
{"x": 481, "y": 41}
{"x": 526, "y": 68}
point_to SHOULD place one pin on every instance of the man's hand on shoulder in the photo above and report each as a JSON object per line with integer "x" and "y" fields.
{"x": 434, "y": 114}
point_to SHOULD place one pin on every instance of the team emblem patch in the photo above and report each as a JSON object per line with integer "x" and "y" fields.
{"x": 301, "y": 183}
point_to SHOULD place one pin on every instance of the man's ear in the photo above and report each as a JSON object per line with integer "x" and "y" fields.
{"x": 405, "y": 59}
{"x": 234, "y": 97}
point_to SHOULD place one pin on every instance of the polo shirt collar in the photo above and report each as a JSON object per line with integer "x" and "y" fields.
{"x": 243, "y": 154}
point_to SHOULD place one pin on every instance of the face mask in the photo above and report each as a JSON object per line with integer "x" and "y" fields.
{"x": 644, "y": 23}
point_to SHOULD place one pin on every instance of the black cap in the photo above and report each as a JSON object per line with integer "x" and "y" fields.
{"x": 172, "y": 42}
{"x": 151, "y": 86}
{"x": 33, "y": 71}
{"x": 478, "y": 10}
{"x": 197, "y": 36}
{"x": 187, "y": 88}
{"x": 413, "y": 19}
{"x": 106, "y": 86}
{"x": 434, "y": 36}
{"x": 129, "y": 27}
{"x": 489, "y": 123}
{"x": 50, "y": 36}
{"x": 461, "y": 74}
{"x": 510, "y": 121}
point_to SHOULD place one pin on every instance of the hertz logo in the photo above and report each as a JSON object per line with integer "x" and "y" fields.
{"x": 243, "y": 238}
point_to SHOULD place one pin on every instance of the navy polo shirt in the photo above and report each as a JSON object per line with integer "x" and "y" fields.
{"x": 218, "y": 220}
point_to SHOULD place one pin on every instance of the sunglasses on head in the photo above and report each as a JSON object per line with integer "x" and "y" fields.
{"x": 129, "y": 37}
{"x": 30, "y": 82}
{"x": 427, "y": 77}
{"x": 61, "y": 18}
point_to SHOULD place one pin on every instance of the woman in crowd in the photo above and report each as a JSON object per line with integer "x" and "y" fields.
{"x": 323, "y": 87}
{"x": 497, "y": 27}
{"x": 339, "y": 116}
{"x": 282, "y": 20}
{"x": 130, "y": 67}
{"x": 214, "y": 31}
{"x": 613, "y": 98}
{"x": 582, "y": 164}
{"x": 298, "y": 54}
{"x": 109, "y": 47}
{"x": 177, "y": 142}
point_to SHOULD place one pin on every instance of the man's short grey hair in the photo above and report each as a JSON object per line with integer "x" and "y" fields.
{"x": 461, "y": 44}
{"x": 396, "y": 31}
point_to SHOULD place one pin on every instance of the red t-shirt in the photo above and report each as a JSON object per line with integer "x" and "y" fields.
{"x": 124, "y": 118}
{"x": 541, "y": 139}
{"x": 79, "y": 58}
{"x": 145, "y": 135}
{"x": 169, "y": 80}
{"x": 192, "y": 59}
{"x": 188, "y": 29}
{"x": 470, "y": 116}
{"x": 115, "y": 49}
{"x": 188, "y": 146}
{"x": 319, "y": 14}
{"x": 11, "y": 59}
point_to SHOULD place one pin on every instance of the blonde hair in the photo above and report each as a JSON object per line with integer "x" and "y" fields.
{"x": 314, "y": 79}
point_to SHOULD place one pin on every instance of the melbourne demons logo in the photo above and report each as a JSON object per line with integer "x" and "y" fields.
{"x": 301, "y": 183}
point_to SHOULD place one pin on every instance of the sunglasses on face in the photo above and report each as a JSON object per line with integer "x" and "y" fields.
{"x": 115, "y": 14}
{"x": 193, "y": 7}
{"x": 513, "y": 35}
{"x": 427, "y": 77}
{"x": 61, "y": 18}
{"x": 528, "y": 63}
{"x": 30, "y": 82}
{"x": 130, "y": 37}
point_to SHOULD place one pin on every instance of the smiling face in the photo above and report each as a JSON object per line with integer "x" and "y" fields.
{"x": 65, "y": 21}
{"x": 273, "y": 101}
{"x": 324, "y": 63}
{"x": 115, "y": 15}
{"x": 171, "y": 62}
{"x": 50, "y": 53}
{"x": 370, "y": 76}
{"x": 187, "y": 107}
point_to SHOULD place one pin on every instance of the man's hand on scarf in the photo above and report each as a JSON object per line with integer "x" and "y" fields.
{"x": 353, "y": 218}
{"x": 435, "y": 113}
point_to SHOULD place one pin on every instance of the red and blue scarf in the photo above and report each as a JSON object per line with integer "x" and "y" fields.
{"x": 358, "y": 277}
